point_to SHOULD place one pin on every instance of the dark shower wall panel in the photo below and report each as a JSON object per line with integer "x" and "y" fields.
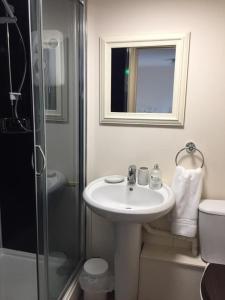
{"x": 17, "y": 185}
{"x": 17, "y": 59}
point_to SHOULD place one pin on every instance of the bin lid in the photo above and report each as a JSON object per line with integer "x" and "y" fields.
{"x": 214, "y": 207}
{"x": 96, "y": 266}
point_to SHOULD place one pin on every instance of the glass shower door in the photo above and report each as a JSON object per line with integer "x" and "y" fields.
{"x": 58, "y": 63}
{"x": 62, "y": 77}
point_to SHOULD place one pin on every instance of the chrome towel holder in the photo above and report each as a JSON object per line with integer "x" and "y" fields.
{"x": 190, "y": 148}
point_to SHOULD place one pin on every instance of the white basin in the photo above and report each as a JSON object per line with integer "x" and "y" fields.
{"x": 129, "y": 207}
{"x": 120, "y": 202}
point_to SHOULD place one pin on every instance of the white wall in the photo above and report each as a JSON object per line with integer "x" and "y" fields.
{"x": 112, "y": 148}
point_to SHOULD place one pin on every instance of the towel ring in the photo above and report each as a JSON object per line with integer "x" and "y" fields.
{"x": 190, "y": 148}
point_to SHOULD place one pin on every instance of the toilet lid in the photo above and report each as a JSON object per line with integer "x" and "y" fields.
{"x": 212, "y": 283}
{"x": 214, "y": 207}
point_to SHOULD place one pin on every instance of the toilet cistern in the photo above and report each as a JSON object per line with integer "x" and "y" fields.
{"x": 131, "y": 178}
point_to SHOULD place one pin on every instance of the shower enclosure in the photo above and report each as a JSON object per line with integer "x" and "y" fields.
{"x": 42, "y": 147}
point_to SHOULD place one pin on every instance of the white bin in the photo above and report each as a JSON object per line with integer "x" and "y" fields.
{"x": 95, "y": 279}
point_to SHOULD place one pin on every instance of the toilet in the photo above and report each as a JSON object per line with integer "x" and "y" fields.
{"x": 212, "y": 248}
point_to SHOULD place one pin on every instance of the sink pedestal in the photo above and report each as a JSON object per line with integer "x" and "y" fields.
{"x": 127, "y": 256}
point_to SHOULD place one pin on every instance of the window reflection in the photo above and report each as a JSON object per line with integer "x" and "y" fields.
{"x": 142, "y": 79}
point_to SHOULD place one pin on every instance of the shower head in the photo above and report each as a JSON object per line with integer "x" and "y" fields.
{"x": 9, "y": 9}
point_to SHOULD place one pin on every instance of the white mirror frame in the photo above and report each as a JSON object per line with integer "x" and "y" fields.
{"x": 176, "y": 118}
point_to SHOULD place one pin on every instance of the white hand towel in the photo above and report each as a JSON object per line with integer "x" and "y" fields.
{"x": 187, "y": 187}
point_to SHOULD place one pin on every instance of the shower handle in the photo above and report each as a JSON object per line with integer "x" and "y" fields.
{"x": 39, "y": 173}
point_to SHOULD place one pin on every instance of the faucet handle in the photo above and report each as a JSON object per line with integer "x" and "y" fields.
{"x": 131, "y": 174}
{"x": 132, "y": 168}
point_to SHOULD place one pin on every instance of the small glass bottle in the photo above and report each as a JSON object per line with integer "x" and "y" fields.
{"x": 155, "y": 178}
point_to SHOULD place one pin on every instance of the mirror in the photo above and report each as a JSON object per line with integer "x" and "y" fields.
{"x": 143, "y": 81}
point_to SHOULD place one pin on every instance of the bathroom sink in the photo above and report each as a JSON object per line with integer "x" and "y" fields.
{"x": 120, "y": 202}
{"x": 128, "y": 206}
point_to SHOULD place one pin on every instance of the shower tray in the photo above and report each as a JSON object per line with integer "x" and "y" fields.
{"x": 18, "y": 275}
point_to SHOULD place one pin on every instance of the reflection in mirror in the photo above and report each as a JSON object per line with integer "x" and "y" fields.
{"x": 54, "y": 59}
{"x": 50, "y": 87}
{"x": 142, "y": 79}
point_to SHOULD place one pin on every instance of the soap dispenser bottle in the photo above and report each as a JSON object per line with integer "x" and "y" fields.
{"x": 155, "y": 178}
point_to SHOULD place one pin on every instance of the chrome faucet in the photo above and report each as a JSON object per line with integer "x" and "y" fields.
{"x": 131, "y": 178}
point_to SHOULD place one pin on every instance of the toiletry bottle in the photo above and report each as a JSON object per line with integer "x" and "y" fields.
{"x": 155, "y": 178}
